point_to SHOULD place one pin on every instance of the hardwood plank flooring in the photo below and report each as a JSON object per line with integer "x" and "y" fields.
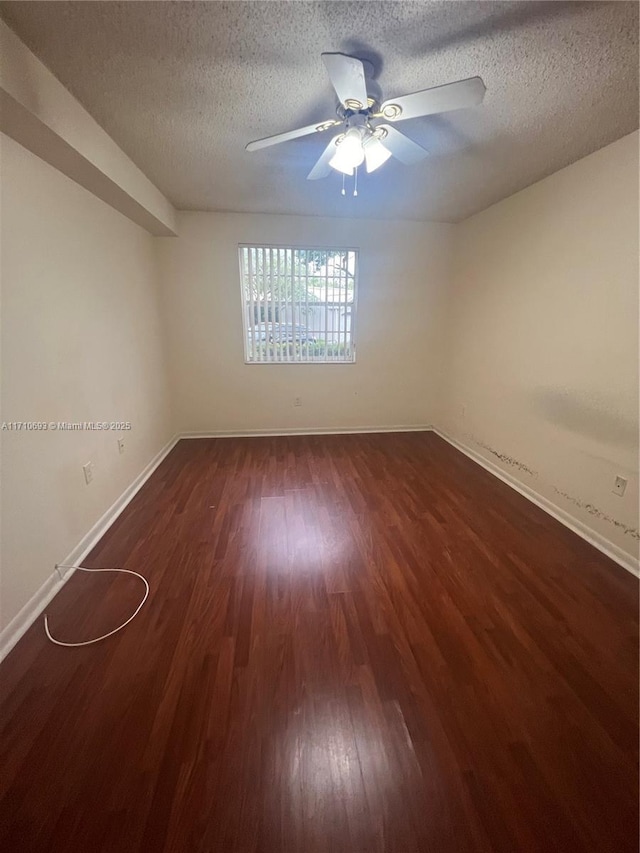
{"x": 360, "y": 643}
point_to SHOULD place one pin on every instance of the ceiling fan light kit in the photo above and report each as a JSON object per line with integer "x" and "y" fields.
{"x": 364, "y": 136}
{"x": 349, "y": 153}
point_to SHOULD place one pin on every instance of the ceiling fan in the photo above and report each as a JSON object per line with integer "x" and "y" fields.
{"x": 365, "y": 136}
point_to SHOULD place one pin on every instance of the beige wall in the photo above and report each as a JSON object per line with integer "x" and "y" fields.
{"x": 542, "y": 354}
{"x": 402, "y": 276}
{"x": 81, "y": 340}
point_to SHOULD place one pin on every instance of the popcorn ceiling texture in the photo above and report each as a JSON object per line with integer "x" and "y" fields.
{"x": 182, "y": 87}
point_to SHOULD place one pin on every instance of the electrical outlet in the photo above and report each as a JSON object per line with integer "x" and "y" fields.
{"x": 297, "y": 401}
{"x": 121, "y": 445}
{"x": 619, "y": 486}
{"x": 88, "y": 472}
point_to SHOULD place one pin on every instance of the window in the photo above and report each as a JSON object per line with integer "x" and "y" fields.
{"x": 298, "y": 305}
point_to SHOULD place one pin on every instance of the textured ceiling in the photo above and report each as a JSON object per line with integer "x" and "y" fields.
{"x": 182, "y": 87}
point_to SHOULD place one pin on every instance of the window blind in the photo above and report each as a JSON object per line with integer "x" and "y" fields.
{"x": 298, "y": 305}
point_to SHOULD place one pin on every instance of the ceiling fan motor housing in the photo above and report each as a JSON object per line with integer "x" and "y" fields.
{"x": 373, "y": 90}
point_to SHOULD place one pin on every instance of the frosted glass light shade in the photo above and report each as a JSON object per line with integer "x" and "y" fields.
{"x": 375, "y": 154}
{"x": 349, "y": 153}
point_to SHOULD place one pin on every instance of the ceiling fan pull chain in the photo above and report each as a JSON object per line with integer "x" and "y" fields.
{"x": 343, "y": 189}
{"x": 355, "y": 181}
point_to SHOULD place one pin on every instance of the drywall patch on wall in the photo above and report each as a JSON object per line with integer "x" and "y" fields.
{"x": 592, "y": 414}
{"x": 598, "y": 513}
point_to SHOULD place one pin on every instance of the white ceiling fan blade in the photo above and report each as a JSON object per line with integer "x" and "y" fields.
{"x": 322, "y": 167}
{"x": 405, "y": 149}
{"x": 375, "y": 154}
{"x": 347, "y": 77}
{"x": 319, "y": 127}
{"x": 440, "y": 99}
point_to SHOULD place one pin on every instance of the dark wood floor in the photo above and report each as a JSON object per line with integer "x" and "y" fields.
{"x": 352, "y": 643}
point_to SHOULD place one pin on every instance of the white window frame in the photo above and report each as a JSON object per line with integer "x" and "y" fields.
{"x": 245, "y": 306}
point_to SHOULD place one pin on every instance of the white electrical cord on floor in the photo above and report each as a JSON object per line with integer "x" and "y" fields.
{"x": 115, "y": 630}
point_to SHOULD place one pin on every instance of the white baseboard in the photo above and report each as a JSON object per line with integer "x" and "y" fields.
{"x": 34, "y": 607}
{"x": 593, "y": 537}
{"x": 254, "y": 433}
{"x": 23, "y": 620}
{"x": 25, "y": 617}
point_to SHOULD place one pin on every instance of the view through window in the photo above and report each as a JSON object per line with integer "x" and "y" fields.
{"x": 298, "y": 304}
